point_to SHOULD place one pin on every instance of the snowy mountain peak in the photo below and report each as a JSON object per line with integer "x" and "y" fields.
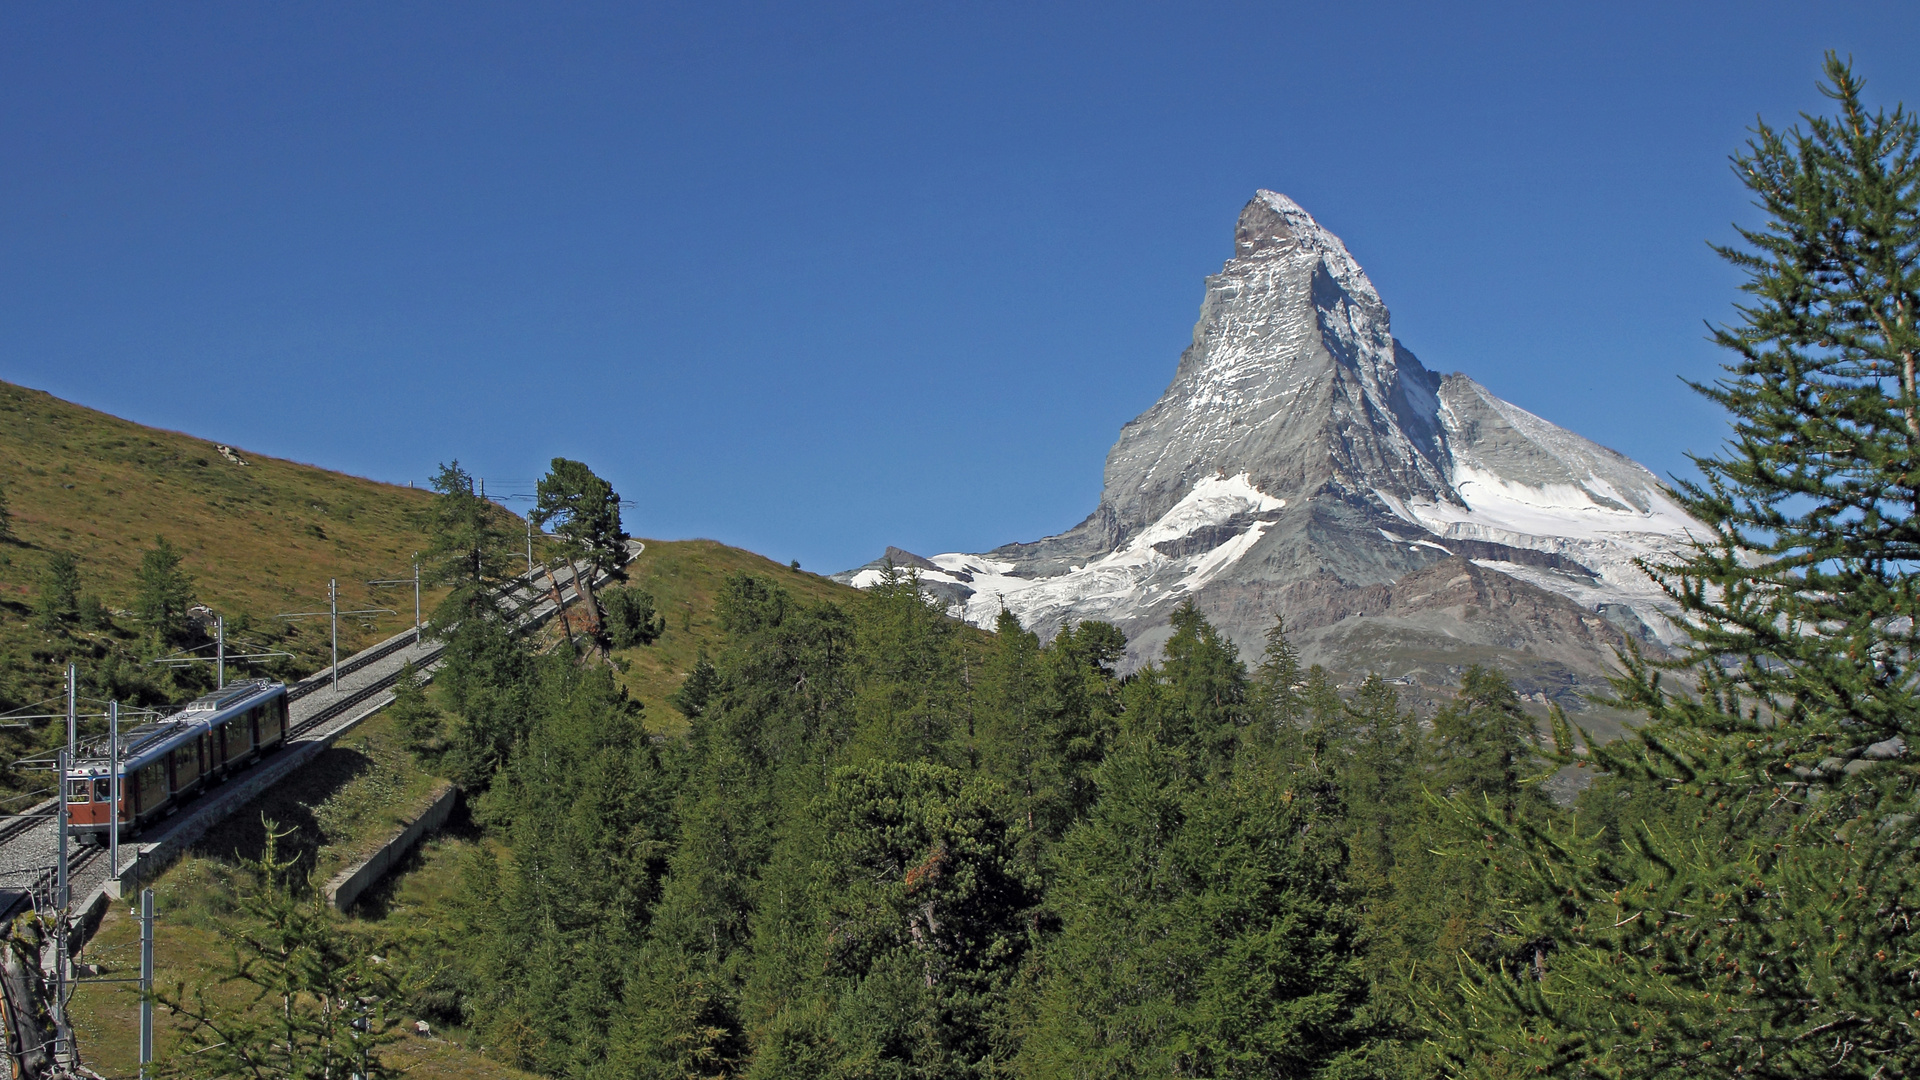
{"x": 1293, "y": 377}
{"x": 1303, "y": 462}
{"x": 1272, "y": 224}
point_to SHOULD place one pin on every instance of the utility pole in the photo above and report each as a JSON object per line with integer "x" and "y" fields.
{"x": 333, "y": 614}
{"x": 113, "y": 790}
{"x": 146, "y": 983}
{"x": 60, "y": 903}
{"x": 220, "y": 655}
{"x": 529, "y": 551}
{"x": 416, "y": 598}
{"x": 73, "y": 710}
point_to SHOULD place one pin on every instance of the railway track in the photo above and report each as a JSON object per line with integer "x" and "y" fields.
{"x": 517, "y": 601}
{"x": 27, "y": 840}
{"x": 334, "y": 709}
{"x": 372, "y": 656}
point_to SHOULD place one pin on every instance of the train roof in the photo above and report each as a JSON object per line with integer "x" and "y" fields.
{"x": 220, "y": 699}
{"x": 143, "y": 745}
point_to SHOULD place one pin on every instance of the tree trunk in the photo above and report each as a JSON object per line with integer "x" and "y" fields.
{"x": 559, "y": 604}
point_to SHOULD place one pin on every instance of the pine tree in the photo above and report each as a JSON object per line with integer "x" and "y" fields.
{"x": 1209, "y": 699}
{"x": 908, "y": 701}
{"x": 1206, "y": 928}
{"x": 418, "y": 723}
{"x": 586, "y": 812}
{"x": 1757, "y": 921}
{"x": 1485, "y": 745}
{"x": 772, "y": 715}
{"x": 467, "y": 549}
{"x": 58, "y": 600}
{"x": 1279, "y": 679}
{"x": 913, "y": 933}
{"x": 701, "y": 684}
{"x": 165, "y": 590}
{"x": 1802, "y": 602}
{"x": 1082, "y": 695}
{"x": 317, "y": 1008}
{"x": 631, "y": 619}
{"x": 1010, "y": 721}
{"x": 584, "y": 511}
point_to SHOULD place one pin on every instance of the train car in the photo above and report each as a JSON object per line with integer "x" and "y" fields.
{"x": 163, "y": 763}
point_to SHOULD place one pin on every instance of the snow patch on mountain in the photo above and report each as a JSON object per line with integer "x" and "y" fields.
{"x": 1137, "y": 576}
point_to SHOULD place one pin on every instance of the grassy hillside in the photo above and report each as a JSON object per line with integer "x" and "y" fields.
{"x": 684, "y": 577}
{"x": 259, "y": 539}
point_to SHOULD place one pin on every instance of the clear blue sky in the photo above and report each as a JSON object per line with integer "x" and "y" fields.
{"x": 816, "y": 278}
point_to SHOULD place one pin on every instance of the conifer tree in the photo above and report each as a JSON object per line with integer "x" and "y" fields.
{"x": 691, "y": 696}
{"x": 466, "y": 549}
{"x": 588, "y": 814}
{"x": 1206, "y": 928}
{"x": 907, "y": 705}
{"x": 1082, "y": 694}
{"x": 913, "y": 933}
{"x": 6, "y": 516}
{"x": 772, "y": 715}
{"x": 1758, "y": 923}
{"x": 164, "y": 590}
{"x": 584, "y": 511}
{"x": 1279, "y": 679}
{"x": 1208, "y": 699}
{"x": 1010, "y": 738}
{"x": 58, "y": 600}
{"x": 316, "y": 1009}
{"x": 419, "y": 724}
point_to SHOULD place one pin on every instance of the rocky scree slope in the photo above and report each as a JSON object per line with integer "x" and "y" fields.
{"x": 1303, "y": 463}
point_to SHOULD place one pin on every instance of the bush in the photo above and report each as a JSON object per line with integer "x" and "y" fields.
{"x": 631, "y": 619}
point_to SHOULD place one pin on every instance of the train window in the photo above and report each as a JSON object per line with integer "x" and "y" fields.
{"x": 153, "y": 785}
{"x": 77, "y": 791}
{"x": 103, "y": 790}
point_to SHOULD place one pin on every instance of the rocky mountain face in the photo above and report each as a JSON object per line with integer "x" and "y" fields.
{"x": 1304, "y": 464}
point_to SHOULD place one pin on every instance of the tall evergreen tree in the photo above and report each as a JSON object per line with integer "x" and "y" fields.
{"x": 1757, "y": 923}
{"x": 1279, "y": 679}
{"x": 913, "y": 933}
{"x": 1206, "y": 700}
{"x": 467, "y": 549}
{"x": 1083, "y": 703}
{"x": 584, "y": 512}
{"x": 58, "y": 600}
{"x": 315, "y": 1007}
{"x": 908, "y": 701}
{"x": 772, "y": 716}
{"x": 587, "y": 817}
{"x": 164, "y": 590}
{"x": 1010, "y": 721}
{"x": 1206, "y": 928}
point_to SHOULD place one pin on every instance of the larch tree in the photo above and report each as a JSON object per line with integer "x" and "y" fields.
{"x": 466, "y": 548}
{"x": 1760, "y": 923}
{"x": 164, "y": 590}
{"x": 584, "y": 513}
{"x": 58, "y": 600}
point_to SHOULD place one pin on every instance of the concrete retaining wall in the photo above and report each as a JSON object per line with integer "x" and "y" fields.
{"x": 348, "y": 884}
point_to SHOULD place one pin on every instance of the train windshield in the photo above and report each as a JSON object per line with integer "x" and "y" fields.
{"x": 77, "y": 790}
{"x": 102, "y": 790}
